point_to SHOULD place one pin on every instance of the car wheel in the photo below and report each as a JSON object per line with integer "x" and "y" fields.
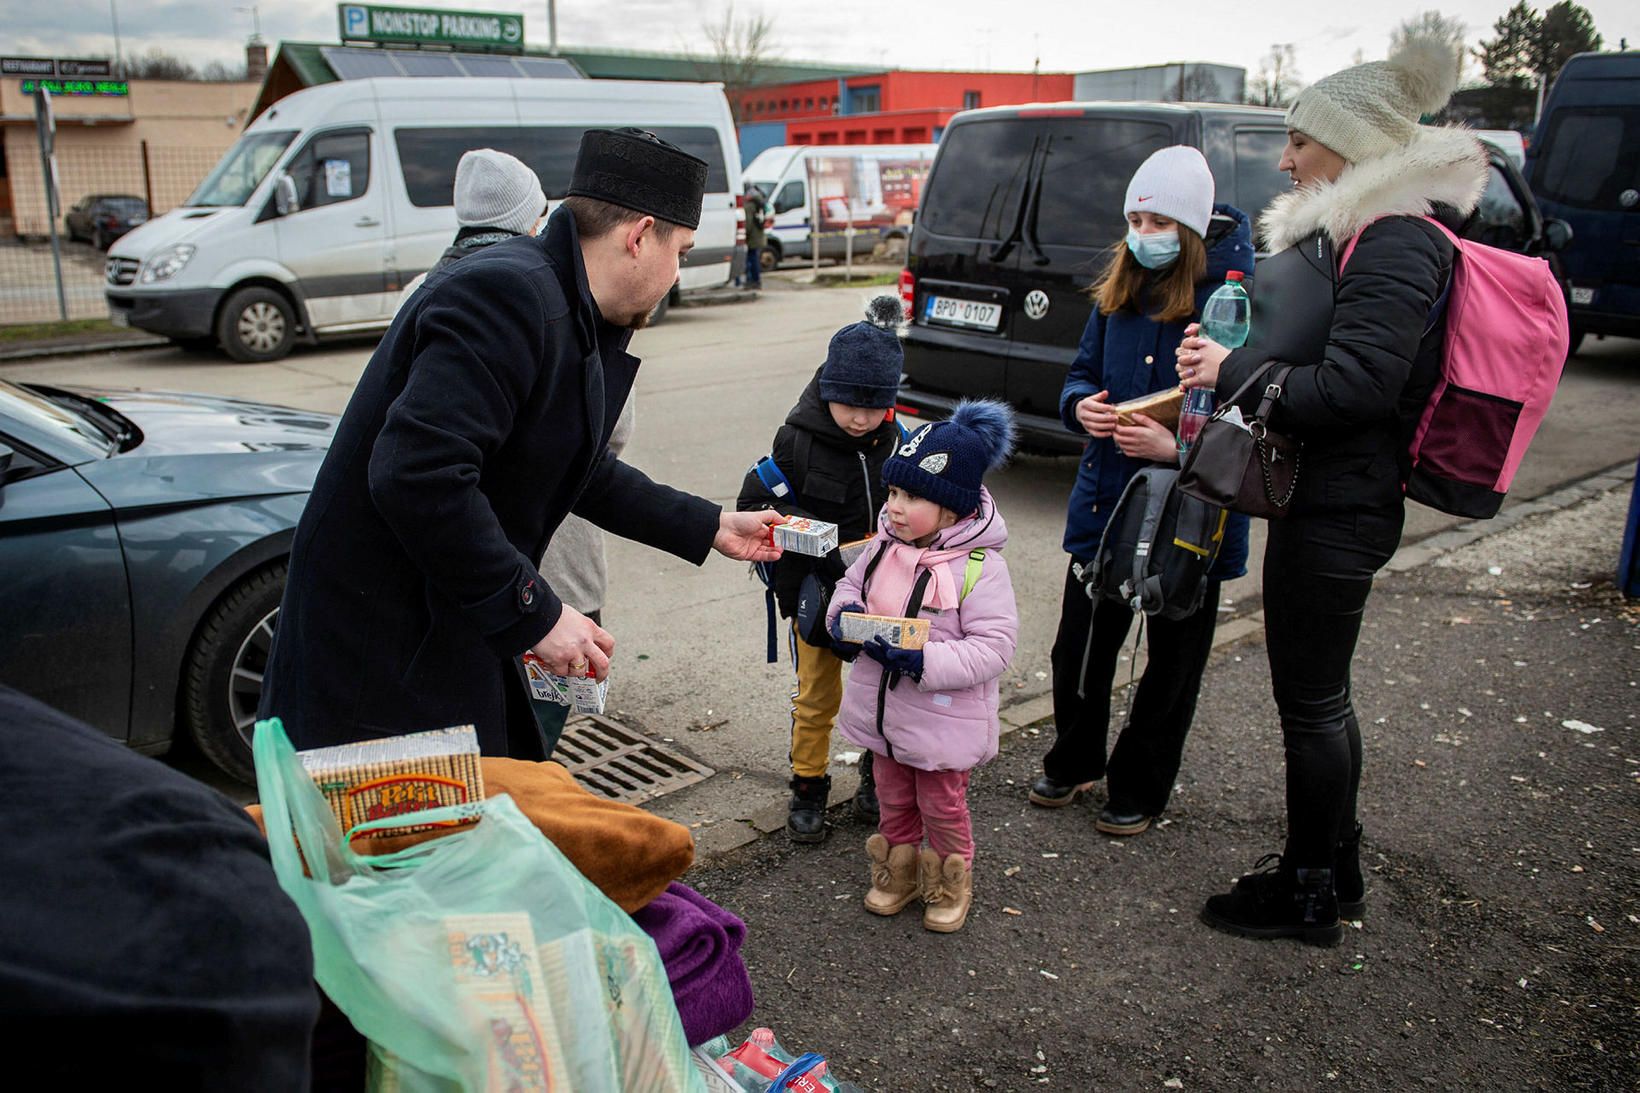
{"x": 768, "y": 256}
{"x": 256, "y": 324}
{"x": 222, "y": 679}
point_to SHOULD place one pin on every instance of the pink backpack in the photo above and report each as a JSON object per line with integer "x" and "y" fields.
{"x": 1505, "y": 347}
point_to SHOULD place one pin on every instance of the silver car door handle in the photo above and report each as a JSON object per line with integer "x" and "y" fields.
{"x": 367, "y": 222}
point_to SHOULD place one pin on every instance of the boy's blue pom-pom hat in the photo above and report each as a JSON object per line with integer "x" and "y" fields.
{"x": 945, "y": 461}
{"x": 864, "y": 359}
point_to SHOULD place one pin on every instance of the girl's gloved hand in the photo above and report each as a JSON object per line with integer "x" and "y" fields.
{"x": 908, "y": 662}
{"x": 845, "y": 650}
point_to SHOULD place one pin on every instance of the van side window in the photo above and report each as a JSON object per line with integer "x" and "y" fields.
{"x": 334, "y": 167}
{"x": 1086, "y": 165}
{"x": 1257, "y": 179}
{"x": 1591, "y": 156}
{"x": 790, "y": 197}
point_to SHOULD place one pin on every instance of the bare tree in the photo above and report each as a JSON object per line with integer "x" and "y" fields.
{"x": 1277, "y": 82}
{"x": 742, "y": 48}
{"x": 156, "y": 64}
{"x": 221, "y": 72}
{"x": 1200, "y": 85}
{"x": 1432, "y": 24}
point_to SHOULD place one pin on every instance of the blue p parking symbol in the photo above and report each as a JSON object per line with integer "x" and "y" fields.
{"x": 355, "y": 21}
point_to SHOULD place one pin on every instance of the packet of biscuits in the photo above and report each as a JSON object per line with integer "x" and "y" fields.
{"x": 1160, "y": 406}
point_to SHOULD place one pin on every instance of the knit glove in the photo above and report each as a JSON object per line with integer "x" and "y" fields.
{"x": 845, "y": 650}
{"x": 907, "y": 662}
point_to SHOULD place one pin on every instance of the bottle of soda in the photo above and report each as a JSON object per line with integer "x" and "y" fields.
{"x": 1226, "y": 318}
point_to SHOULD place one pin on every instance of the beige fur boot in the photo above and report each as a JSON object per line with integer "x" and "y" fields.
{"x": 893, "y": 876}
{"x": 947, "y": 889}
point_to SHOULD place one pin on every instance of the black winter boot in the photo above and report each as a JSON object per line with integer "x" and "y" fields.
{"x": 806, "y": 820}
{"x": 1348, "y": 882}
{"x": 1274, "y": 901}
{"x": 865, "y": 798}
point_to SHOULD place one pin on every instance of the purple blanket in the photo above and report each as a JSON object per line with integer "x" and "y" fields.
{"x": 699, "y": 942}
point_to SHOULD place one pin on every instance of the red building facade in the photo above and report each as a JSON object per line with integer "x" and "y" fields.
{"x": 899, "y": 107}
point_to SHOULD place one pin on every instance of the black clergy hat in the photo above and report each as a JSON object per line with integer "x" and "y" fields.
{"x": 637, "y": 170}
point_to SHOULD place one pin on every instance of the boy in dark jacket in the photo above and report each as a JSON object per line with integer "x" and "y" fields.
{"x": 831, "y": 451}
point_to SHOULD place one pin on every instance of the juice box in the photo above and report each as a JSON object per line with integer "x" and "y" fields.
{"x": 398, "y": 776}
{"x": 801, "y": 535}
{"x": 580, "y": 694}
{"x": 905, "y": 633}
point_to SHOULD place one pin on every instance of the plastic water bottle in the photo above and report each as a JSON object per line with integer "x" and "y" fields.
{"x": 1226, "y": 319}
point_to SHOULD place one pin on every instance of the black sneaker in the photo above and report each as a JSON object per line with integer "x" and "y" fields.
{"x": 806, "y": 818}
{"x": 1348, "y": 881}
{"x": 1121, "y": 820}
{"x": 865, "y": 798}
{"x": 1274, "y": 901}
{"x": 1051, "y": 794}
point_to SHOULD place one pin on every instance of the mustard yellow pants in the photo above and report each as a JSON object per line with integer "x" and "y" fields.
{"x": 816, "y": 695}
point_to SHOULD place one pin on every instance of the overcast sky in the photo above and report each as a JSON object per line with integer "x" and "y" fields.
{"x": 1066, "y": 35}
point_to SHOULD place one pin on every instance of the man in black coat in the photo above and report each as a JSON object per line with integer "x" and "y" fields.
{"x": 481, "y": 420}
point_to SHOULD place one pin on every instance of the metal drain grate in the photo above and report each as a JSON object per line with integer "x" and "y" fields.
{"x": 620, "y": 764}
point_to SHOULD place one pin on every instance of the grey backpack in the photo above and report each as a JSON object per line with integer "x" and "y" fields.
{"x": 1158, "y": 546}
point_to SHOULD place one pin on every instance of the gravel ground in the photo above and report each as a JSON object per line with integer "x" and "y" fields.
{"x": 1498, "y": 693}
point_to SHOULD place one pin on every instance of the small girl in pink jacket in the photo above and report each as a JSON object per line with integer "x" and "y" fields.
{"x": 930, "y": 714}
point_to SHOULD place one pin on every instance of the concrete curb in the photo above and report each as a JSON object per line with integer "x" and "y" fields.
{"x": 1032, "y": 715}
{"x": 70, "y": 349}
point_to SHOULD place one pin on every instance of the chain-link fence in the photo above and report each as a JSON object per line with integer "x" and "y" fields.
{"x": 105, "y": 192}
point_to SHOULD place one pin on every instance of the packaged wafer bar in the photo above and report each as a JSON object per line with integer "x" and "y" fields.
{"x": 800, "y": 535}
{"x": 583, "y": 695}
{"x": 851, "y": 551}
{"x": 501, "y": 989}
{"x": 905, "y": 633}
{"x": 397, "y": 776}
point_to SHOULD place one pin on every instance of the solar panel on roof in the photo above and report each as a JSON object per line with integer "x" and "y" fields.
{"x": 547, "y": 68}
{"x": 427, "y": 64}
{"x": 476, "y": 65}
{"x": 360, "y": 64}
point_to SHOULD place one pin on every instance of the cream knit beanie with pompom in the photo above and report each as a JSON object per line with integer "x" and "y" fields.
{"x": 1373, "y": 108}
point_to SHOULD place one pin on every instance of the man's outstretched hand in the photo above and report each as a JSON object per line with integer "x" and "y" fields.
{"x": 744, "y": 536}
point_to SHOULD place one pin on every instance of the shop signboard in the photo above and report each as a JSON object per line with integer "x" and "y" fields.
{"x": 47, "y": 68}
{"x": 117, "y": 88}
{"x": 422, "y": 26}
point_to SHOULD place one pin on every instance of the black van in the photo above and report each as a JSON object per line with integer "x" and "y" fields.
{"x": 1584, "y": 167}
{"x": 1017, "y": 216}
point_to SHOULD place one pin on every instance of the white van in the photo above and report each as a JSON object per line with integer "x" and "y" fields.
{"x": 253, "y": 262}
{"x": 880, "y": 184}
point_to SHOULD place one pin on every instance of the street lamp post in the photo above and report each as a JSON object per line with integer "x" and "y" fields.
{"x": 119, "y": 65}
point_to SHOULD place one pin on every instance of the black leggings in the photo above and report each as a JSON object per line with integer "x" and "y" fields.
{"x": 1145, "y": 761}
{"x": 1317, "y": 576}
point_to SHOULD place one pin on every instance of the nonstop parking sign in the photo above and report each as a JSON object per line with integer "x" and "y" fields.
{"x": 489, "y": 30}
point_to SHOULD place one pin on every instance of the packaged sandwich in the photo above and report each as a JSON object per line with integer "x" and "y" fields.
{"x": 1160, "y": 406}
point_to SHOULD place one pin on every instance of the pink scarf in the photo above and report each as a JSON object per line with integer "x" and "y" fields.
{"x": 894, "y": 576}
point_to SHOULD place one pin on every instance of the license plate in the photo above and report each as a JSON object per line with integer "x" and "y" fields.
{"x": 1583, "y": 296}
{"x": 951, "y": 311}
{"x": 118, "y": 317}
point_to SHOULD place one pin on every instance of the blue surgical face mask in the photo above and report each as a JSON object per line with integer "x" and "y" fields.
{"x": 1155, "y": 250}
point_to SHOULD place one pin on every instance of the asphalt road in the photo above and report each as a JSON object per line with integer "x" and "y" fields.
{"x": 716, "y": 382}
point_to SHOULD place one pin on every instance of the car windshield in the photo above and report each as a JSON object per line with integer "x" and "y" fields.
{"x": 127, "y": 206}
{"x": 247, "y": 163}
{"x": 54, "y": 417}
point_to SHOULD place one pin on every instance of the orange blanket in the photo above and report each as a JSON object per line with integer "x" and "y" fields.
{"x": 628, "y": 853}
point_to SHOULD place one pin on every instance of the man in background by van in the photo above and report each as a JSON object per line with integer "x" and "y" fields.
{"x": 481, "y": 420}
{"x": 497, "y": 197}
{"x": 757, "y": 227}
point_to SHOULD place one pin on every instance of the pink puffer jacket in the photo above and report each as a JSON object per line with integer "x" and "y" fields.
{"x": 948, "y": 720}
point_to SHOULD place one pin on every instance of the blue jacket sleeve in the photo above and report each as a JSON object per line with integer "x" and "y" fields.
{"x": 1087, "y": 372}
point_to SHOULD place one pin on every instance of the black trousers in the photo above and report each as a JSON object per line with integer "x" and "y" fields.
{"x": 1145, "y": 761}
{"x": 1317, "y": 577}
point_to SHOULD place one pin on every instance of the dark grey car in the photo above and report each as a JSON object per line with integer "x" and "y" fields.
{"x": 143, "y": 546}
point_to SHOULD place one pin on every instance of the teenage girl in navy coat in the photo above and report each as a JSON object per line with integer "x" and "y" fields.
{"x": 1178, "y": 248}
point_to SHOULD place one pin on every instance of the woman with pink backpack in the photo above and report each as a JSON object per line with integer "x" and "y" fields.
{"x": 1366, "y": 346}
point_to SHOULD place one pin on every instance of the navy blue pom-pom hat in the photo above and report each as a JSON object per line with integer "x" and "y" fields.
{"x": 864, "y": 359}
{"x": 946, "y": 461}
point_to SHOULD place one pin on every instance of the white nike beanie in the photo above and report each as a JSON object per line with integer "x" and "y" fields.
{"x": 1374, "y": 108}
{"x": 495, "y": 190}
{"x": 1174, "y": 182}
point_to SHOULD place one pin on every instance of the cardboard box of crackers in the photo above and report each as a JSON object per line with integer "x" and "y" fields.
{"x": 398, "y": 776}
{"x": 905, "y": 633}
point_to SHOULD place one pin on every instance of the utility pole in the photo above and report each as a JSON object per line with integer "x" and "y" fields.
{"x": 552, "y": 27}
{"x": 119, "y": 65}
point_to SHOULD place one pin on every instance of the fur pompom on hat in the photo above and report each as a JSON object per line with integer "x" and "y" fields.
{"x": 864, "y": 359}
{"x": 946, "y": 461}
{"x": 1372, "y": 109}
{"x": 495, "y": 190}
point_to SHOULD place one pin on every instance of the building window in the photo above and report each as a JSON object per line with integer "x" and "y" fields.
{"x": 970, "y": 100}
{"x": 785, "y": 105}
{"x": 865, "y": 100}
{"x": 825, "y": 103}
{"x": 808, "y": 103}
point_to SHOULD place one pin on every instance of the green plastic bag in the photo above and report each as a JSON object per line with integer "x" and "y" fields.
{"x": 482, "y": 960}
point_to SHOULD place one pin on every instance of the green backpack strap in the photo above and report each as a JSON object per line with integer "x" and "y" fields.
{"x": 970, "y": 572}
